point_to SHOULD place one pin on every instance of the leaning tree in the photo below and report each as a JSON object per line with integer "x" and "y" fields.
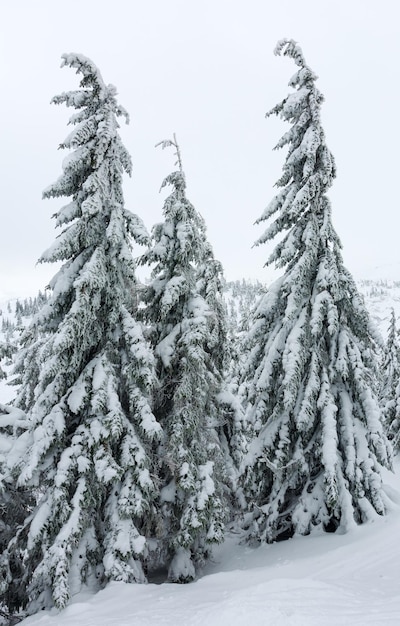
{"x": 309, "y": 383}
{"x": 86, "y": 375}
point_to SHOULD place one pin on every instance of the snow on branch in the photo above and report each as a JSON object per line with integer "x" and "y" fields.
{"x": 11, "y": 416}
{"x": 290, "y": 48}
{"x": 85, "y": 66}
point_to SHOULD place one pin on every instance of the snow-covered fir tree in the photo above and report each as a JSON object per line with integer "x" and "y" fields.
{"x": 86, "y": 375}
{"x": 240, "y": 297}
{"x": 211, "y": 285}
{"x": 309, "y": 382}
{"x": 390, "y": 387}
{"x": 184, "y": 309}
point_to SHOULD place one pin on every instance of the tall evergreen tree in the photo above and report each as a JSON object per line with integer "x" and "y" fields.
{"x": 390, "y": 388}
{"x": 86, "y": 375}
{"x": 309, "y": 381}
{"x": 183, "y": 307}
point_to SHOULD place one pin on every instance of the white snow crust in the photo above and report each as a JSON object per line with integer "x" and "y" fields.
{"x": 347, "y": 579}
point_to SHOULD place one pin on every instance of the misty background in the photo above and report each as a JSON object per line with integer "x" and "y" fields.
{"x": 206, "y": 71}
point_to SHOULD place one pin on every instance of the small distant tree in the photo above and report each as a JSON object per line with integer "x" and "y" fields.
{"x": 184, "y": 309}
{"x": 390, "y": 388}
{"x": 86, "y": 375}
{"x": 6, "y": 351}
{"x": 309, "y": 380}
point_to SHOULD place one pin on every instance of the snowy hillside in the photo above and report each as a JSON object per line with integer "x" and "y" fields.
{"x": 15, "y": 315}
{"x": 323, "y": 580}
{"x": 381, "y": 295}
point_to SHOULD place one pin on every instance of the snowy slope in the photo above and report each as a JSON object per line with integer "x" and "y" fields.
{"x": 381, "y": 295}
{"x": 324, "y": 580}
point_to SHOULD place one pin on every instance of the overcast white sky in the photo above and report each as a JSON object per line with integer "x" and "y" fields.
{"x": 205, "y": 70}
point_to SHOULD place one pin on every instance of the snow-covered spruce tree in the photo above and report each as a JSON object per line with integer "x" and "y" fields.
{"x": 183, "y": 309}
{"x": 309, "y": 380}
{"x": 86, "y": 375}
{"x": 210, "y": 285}
{"x": 243, "y": 297}
{"x": 390, "y": 387}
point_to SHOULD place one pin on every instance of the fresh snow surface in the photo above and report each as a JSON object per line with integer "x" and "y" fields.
{"x": 320, "y": 580}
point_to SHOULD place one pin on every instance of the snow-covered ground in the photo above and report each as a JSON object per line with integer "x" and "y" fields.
{"x": 322, "y": 580}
